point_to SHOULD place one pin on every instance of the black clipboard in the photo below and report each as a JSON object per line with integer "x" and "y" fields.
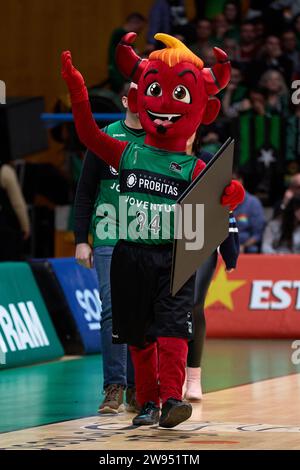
{"x": 205, "y": 190}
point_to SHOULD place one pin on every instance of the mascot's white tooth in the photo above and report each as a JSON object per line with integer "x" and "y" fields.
{"x": 163, "y": 115}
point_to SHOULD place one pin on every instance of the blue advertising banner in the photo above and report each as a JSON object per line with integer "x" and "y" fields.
{"x": 80, "y": 287}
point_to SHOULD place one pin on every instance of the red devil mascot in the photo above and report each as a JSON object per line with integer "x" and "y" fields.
{"x": 175, "y": 94}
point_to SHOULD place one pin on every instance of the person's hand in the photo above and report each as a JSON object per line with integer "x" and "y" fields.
{"x": 242, "y": 249}
{"x": 258, "y": 105}
{"x": 230, "y": 270}
{"x": 233, "y": 195}
{"x": 26, "y": 234}
{"x": 287, "y": 197}
{"x": 260, "y": 109}
{"x": 245, "y": 105}
{"x": 70, "y": 74}
{"x": 84, "y": 255}
{"x": 231, "y": 87}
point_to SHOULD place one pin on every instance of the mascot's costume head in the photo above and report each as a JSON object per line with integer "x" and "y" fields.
{"x": 175, "y": 92}
{"x": 175, "y": 95}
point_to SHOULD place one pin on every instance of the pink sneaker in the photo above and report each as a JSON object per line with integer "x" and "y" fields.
{"x": 193, "y": 384}
{"x": 184, "y": 385}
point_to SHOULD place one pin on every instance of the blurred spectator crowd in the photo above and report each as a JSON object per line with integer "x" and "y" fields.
{"x": 262, "y": 40}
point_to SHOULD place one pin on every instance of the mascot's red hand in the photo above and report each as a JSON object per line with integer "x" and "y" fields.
{"x": 73, "y": 79}
{"x": 106, "y": 147}
{"x": 233, "y": 195}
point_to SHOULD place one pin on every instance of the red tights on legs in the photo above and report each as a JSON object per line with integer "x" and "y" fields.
{"x": 172, "y": 353}
{"x": 145, "y": 362}
{"x": 165, "y": 360}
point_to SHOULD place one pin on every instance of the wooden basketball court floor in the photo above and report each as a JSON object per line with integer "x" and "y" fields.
{"x": 251, "y": 401}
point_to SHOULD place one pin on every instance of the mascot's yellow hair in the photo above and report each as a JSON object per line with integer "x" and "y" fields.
{"x": 175, "y": 52}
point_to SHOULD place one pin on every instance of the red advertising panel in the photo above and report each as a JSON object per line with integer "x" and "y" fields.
{"x": 260, "y": 299}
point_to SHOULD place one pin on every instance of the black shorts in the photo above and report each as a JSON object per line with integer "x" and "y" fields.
{"x": 142, "y": 305}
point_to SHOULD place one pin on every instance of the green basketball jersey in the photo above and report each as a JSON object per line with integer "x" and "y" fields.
{"x": 151, "y": 181}
{"x": 105, "y": 230}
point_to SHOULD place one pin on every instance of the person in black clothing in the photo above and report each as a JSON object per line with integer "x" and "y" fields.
{"x": 272, "y": 58}
{"x": 14, "y": 220}
{"x": 290, "y": 49}
{"x": 229, "y": 250}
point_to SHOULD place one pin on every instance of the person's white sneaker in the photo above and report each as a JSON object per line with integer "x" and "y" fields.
{"x": 193, "y": 384}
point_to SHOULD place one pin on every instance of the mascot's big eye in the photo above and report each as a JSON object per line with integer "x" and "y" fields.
{"x": 181, "y": 93}
{"x": 154, "y": 90}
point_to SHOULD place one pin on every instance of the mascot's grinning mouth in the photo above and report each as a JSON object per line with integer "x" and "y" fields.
{"x": 164, "y": 116}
